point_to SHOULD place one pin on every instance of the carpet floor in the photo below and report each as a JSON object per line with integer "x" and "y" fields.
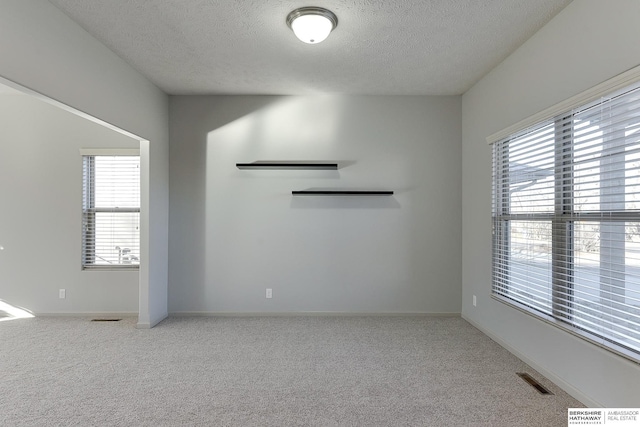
{"x": 266, "y": 371}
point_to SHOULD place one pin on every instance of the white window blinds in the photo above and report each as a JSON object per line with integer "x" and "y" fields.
{"x": 566, "y": 218}
{"x": 111, "y": 211}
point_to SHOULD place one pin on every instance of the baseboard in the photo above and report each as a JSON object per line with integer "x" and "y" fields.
{"x": 306, "y": 314}
{"x": 89, "y": 314}
{"x": 107, "y": 314}
{"x": 567, "y": 387}
{"x": 152, "y": 323}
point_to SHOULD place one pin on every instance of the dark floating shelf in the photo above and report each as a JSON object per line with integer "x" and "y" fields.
{"x": 288, "y": 165}
{"x": 342, "y": 193}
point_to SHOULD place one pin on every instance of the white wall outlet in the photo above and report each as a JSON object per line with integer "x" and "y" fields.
{"x": 269, "y": 293}
{"x": 474, "y": 300}
{"x": 62, "y": 293}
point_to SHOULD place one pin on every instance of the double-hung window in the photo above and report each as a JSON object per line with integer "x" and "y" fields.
{"x": 110, "y": 211}
{"x": 566, "y": 220}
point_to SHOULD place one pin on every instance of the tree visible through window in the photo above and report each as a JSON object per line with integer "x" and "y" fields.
{"x": 566, "y": 216}
{"x": 111, "y": 212}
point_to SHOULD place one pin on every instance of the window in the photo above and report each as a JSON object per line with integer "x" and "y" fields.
{"x": 566, "y": 220}
{"x": 110, "y": 211}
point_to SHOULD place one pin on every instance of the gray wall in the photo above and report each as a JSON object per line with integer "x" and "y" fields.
{"x": 233, "y": 233}
{"x": 40, "y": 219}
{"x": 588, "y": 42}
{"x": 43, "y": 50}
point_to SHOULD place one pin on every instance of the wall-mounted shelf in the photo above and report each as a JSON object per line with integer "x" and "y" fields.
{"x": 289, "y": 165}
{"x": 342, "y": 193}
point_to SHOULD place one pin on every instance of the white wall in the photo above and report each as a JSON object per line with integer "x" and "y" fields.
{"x": 42, "y": 49}
{"x": 588, "y": 42}
{"x": 234, "y": 233}
{"x": 40, "y": 220}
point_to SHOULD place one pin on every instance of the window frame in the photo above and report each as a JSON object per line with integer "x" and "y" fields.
{"x": 86, "y": 234}
{"x": 563, "y": 219}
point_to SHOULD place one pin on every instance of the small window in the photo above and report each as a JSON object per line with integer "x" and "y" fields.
{"x": 110, "y": 211}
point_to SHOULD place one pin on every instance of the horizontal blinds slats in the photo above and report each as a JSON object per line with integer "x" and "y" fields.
{"x": 566, "y": 209}
{"x": 111, "y": 211}
{"x": 625, "y": 101}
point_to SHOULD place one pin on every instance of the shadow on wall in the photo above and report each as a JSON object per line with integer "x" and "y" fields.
{"x": 223, "y": 110}
{"x": 193, "y": 120}
{"x": 344, "y": 202}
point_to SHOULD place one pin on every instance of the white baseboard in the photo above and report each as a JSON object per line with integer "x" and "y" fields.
{"x": 89, "y": 314}
{"x": 107, "y": 314}
{"x": 305, "y": 314}
{"x": 152, "y": 323}
{"x": 567, "y": 387}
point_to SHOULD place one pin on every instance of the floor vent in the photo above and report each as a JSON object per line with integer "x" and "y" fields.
{"x": 106, "y": 320}
{"x": 533, "y": 383}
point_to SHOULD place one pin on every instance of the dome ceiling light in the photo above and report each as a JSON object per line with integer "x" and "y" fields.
{"x": 312, "y": 24}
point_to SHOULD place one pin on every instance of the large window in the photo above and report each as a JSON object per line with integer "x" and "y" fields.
{"x": 110, "y": 211}
{"x": 566, "y": 220}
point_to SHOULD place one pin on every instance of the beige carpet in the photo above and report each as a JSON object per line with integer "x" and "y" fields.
{"x": 266, "y": 371}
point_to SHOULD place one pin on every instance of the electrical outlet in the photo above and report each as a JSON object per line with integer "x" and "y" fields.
{"x": 269, "y": 293}
{"x": 62, "y": 293}
{"x": 474, "y": 300}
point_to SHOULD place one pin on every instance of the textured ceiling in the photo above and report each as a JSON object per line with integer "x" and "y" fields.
{"x": 387, "y": 47}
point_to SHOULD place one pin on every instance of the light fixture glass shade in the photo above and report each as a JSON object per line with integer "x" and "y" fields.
{"x": 312, "y": 24}
{"x": 311, "y": 28}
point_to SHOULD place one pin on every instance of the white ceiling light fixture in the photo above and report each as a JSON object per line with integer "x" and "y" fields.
{"x": 312, "y": 24}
